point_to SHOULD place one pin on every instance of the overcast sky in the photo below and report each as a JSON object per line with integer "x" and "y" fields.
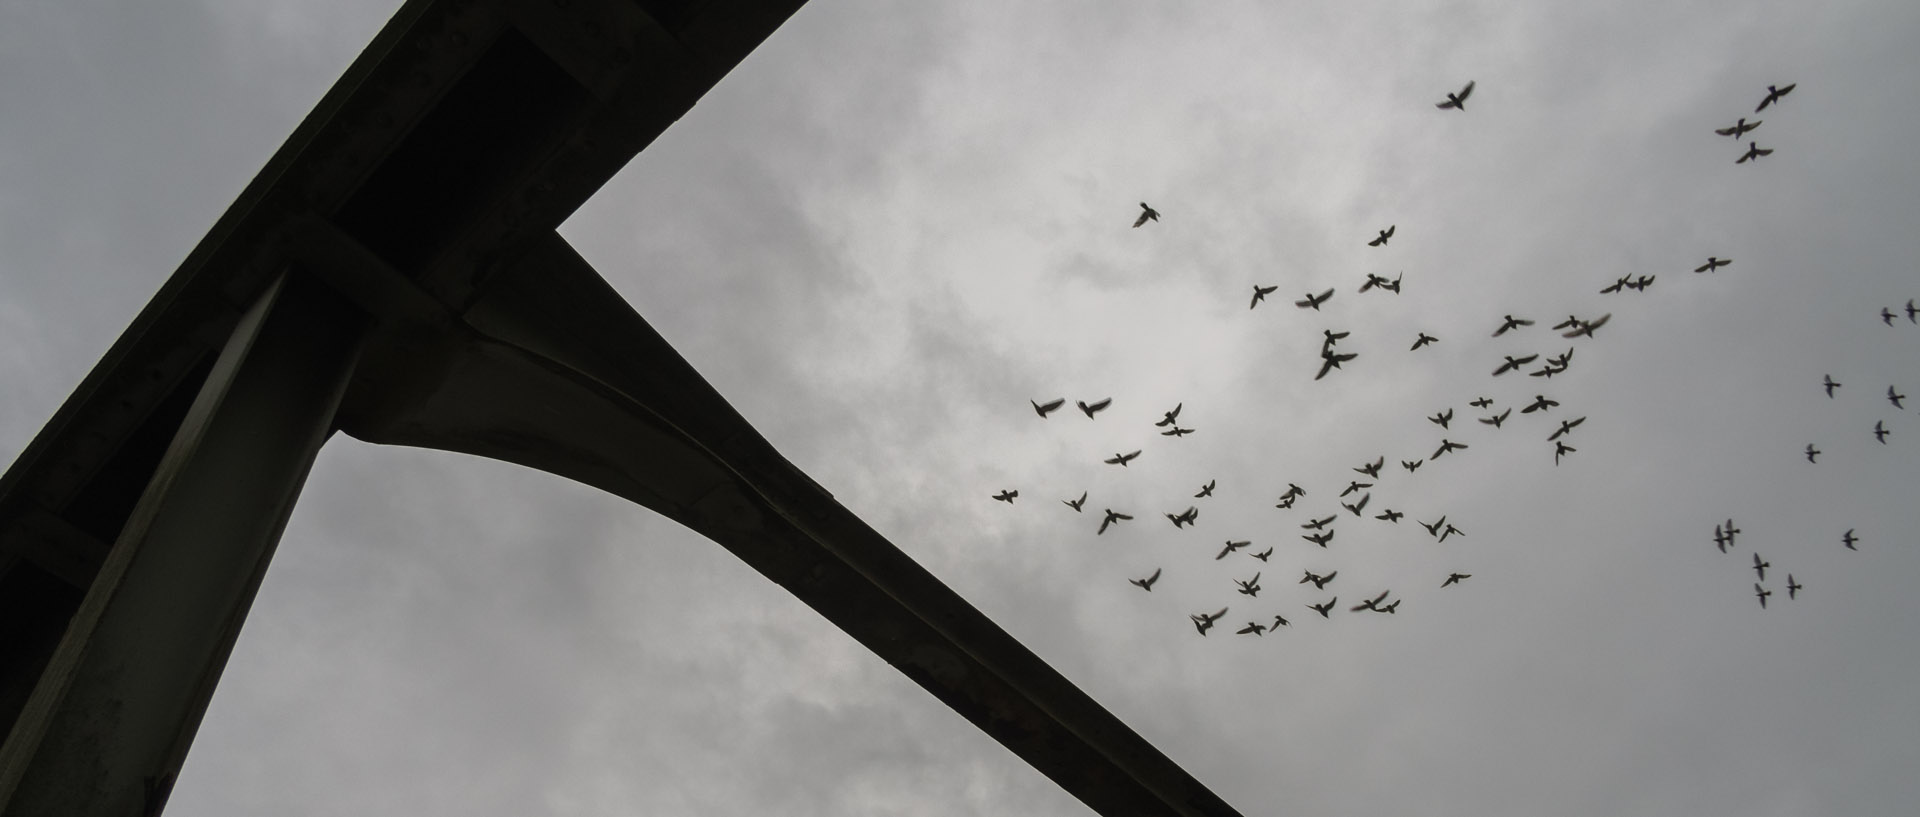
{"x": 897, "y": 223}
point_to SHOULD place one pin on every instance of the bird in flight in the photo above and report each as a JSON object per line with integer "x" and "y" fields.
{"x": 1330, "y": 361}
{"x": 1278, "y": 622}
{"x": 1168, "y": 418}
{"x": 1286, "y": 502}
{"x": 1411, "y": 466}
{"x": 1714, "y": 263}
{"x": 1458, "y": 100}
{"x": 1880, "y": 431}
{"x": 1454, "y": 578}
{"x": 1895, "y": 398}
{"x": 1739, "y": 128}
{"x": 1849, "y": 539}
{"x": 1642, "y": 284}
{"x": 1319, "y": 581}
{"x": 1721, "y": 539}
{"x": 1185, "y": 517}
{"x": 1262, "y": 555}
{"x": 1773, "y": 95}
{"x": 1587, "y": 327}
{"x": 1373, "y": 469}
{"x": 1434, "y": 528}
{"x": 1482, "y": 402}
{"x": 1320, "y": 539}
{"x": 1886, "y": 316}
{"x": 1754, "y": 151}
{"x": 1249, "y": 587}
{"x": 1252, "y": 627}
{"x": 1325, "y": 607}
{"x": 1812, "y": 453}
{"x": 1625, "y": 281}
{"x": 1760, "y": 567}
{"x": 1497, "y": 419}
{"x": 1094, "y": 408}
{"x": 1373, "y": 604}
{"x": 1445, "y": 446}
{"x": 1231, "y": 547}
{"x": 1355, "y": 486}
{"x": 1122, "y": 459}
{"x": 1441, "y": 420}
{"x": 1176, "y": 431}
{"x": 1317, "y": 524}
{"x": 1566, "y": 427}
{"x": 1260, "y": 294}
{"x": 1206, "y": 490}
{"x": 1146, "y": 213}
{"x": 1075, "y": 503}
{"x": 1763, "y": 593}
{"x": 1204, "y": 622}
{"x": 1423, "y": 340}
{"x": 1830, "y": 385}
{"x": 1295, "y": 490}
{"x": 1450, "y": 530}
{"x": 1385, "y": 234}
{"x": 1314, "y": 301}
{"x": 1113, "y": 517}
{"x": 1391, "y": 515}
{"x": 1044, "y": 409}
{"x": 1146, "y": 583}
{"x": 1357, "y": 507}
{"x": 1731, "y": 531}
{"x": 1793, "y": 587}
{"x": 1559, "y": 449}
{"x": 1911, "y": 312}
{"x": 1332, "y": 338}
{"x": 1514, "y": 363}
{"x": 1540, "y": 403}
{"x": 1006, "y": 496}
{"x": 1511, "y": 322}
{"x": 1572, "y": 320}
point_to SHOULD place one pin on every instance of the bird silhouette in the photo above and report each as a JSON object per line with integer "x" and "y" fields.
{"x": 1319, "y": 581}
{"x": 1714, "y": 263}
{"x": 1356, "y": 485}
{"x": 1381, "y": 240}
{"x": 1372, "y": 604}
{"x": 1640, "y": 284}
{"x": 1314, "y": 301}
{"x": 1317, "y": 524}
{"x": 1540, "y": 403}
{"x": 1773, "y": 95}
{"x": 1511, "y": 323}
{"x": 1249, "y": 587}
{"x": 1185, "y": 517}
{"x": 1812, "y": 453}
{"x": 1754, "y": 151}
{"x": 1295, "y": 490}
{"x": 1168, "y": 418}
{"x": 1093, "y": 408}
{"x": 1423, "y": 340}
{"x": 1561, "y": 449}
{"x": 1373, "y": 469}
{"x": 1176, "y": 431}
{"x": 1325, "y": 607}
{"x": 1482, "y": 402}
{"x": 1262, "y": 555}
{"x": 1450, "y": 530}
{"x": 1122, "y": 459}
{"x": 1320, "y": 539}
{"x": 1357, "y": 507}
{"x": 1739, "y": 128}
{"x": 1731, "y": 531}
{"x": 1497, "y": 419}
{"x": 1721, "y": 539}
{"x": 1390, "y": 515}
{"x": 1624, "y": 281}
{"x": 1113, "y": 518}
{"x": 1886, "y": 316}
{"x": 1458, "y": 100}
{"x": 1514, "y": 363}
{"x": 1329, "y": 362}
{"x": 1442, "y": 419}
{"x": 1445, "y": 446}
{"x": 1075, "y": 503}
{"x": 1912, "y": 311}
{"x": 1880, "y": 431}
{"x": 1332, "y": 338}
{"x": 1006, "y": 496}
{"x": 1253, "y": 627}
{"x": 1260, "y": 294}
{"x": 1204, "y": 622}
{"x": 1231, "y": 547}
{"x": 1762, "y": 593}
{"x": 1206, "y": 490}
{"x": 1044, "y": 409}
{"x": 1793, "y": 587}
{"x": 1587, "y": 327}
{"x": 1895, "y": 398}
{"x": 1285, "y": 502}
{"x": 1566, "y": 427}
{"x": 1146, "y": 213}
{"x": 1760, "y": 567}
{"x": 1572, "y": 320}
{"x": 1830, "y": 385}
{"x": 1146, "y": 583}
{"x": 1454, "y": 578}
{"x": 1433, "y": 529}
{"x": 1411, "y": 466}
{"x": 1278, "y": 622}
{"x": 1849, "y": 539}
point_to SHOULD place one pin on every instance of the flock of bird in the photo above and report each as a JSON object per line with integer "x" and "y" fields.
{"x": 1320, "y": 529}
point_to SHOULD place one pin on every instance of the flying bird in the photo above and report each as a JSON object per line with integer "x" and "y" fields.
{"x": 1186, "y": 517}
{"x": 1849, "y": 539}
{"x": 1113, "y": 517}
{"x": 1384, "y": 235}
{"x": 1762, "y": 593}
{"x": 1206, "y": 490}
{"x": 1044, "y": 409}
{"x": 1355, "y": 486}
{"x": 1285, "y": 502}
{"x": 1278, "y": 622}
{"x": 1317, "y": 524}
{"x": 1075, "y": 503}
{"x": 1390, "y": 515}
{"x": 1373, "y": 469}
{"x": 1760, "y": 567}
{"x": 1754, "y": 151}
{"x": 1450, "y": 530}
{"x": 1146, "y": 583}
{"x": 1295, "y": 490}
{"x": 1329, "y": 362}
{"x": 1830, "y": 385}
{"x": 1168, "y": 418}
{"x": 1314, "y": 301}
{"x": 1006, "y": 496}
{"x": 1566, "y": 427}
{"x": 1260, "y": 294}
{"x": 1332, "y": 338}
{"x": 1482, "y": 402}
{"x": 1571, "y": 320}
{"x": 1445, "y": 446}
{"x": 1325, "y": 607}
{"x": 1441, "y": 419}
{"x": 1319, "y": 581}
{"x": 1641, "y": 284}
{"x": 1886, "y": 316}
{"x": 1252, "y": 627}
{"x": 1587, "y": 327}
{"x": 1911, "y": 312}
{"x": 1731, "y": 531}
{"x": 1560, "y": 449}
{"x": 1357, "y": 507}
{"x": 1880, "y": 431}
{"x": 1509, "y": 323}
{"x": 1773, "y": 95}
{"x": 1454, "y": 578}
{"x": 1434, "y": 528}
{"x": 1372, "y": 604}
{"x": 1204, "y": 622}
{"x": 1540, "y": 403}
{"x": 1320, "y": 539}
{"x": 1895, "y": 398}
{"x": 1721, "y": 539}
{"x": 1095, "y": 408}
{"x": 1249, "y": 587}
{"x": 1411, "y": 466}
{"x": 1812, "y": 453}
{"x": 1793, "y": 587}
{"x": 1458, "y": 100}
{"x": 1122, "y": 459}
{"x": 1176, "y": 431}
{"x": 1514, "y": 363}
{"x": 1231, "y": 547}
{"x": 1739, "y": 128}
{"x": 1497, "y": 419}
{"x": 1714, "y": 263}
{"x": 1262, "y": 555}
{"x": 1617, "y": 285}
{"x": 1423, "y": 340}
{"x": 1146, "y": 213}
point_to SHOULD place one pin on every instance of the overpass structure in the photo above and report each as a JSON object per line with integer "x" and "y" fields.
{"x": 394, "y": 274}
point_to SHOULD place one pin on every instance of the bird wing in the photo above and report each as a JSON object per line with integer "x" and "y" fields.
{"x": 1467, "y": 91}
{"x": 1141, "y": 220}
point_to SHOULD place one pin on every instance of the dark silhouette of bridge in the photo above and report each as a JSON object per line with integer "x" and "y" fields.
{"x": 394, "y": 273}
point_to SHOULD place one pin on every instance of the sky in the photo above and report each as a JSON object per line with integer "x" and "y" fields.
{"x": 895, "y": 224}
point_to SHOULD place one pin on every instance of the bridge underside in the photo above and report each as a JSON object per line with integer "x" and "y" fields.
{"x": 393, "y": 273}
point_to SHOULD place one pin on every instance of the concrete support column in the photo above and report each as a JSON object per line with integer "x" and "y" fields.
{"x": 108, "y": 725}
